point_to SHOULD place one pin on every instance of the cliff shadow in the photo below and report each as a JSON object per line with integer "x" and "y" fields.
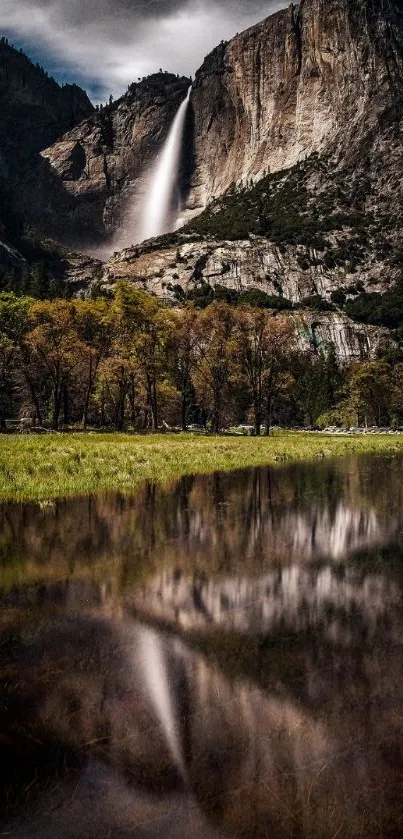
{"x": 188, "y": 157}
{"x": 44, "y": 201}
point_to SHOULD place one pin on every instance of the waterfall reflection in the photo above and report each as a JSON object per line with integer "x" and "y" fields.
{"x": 87, "y": 749}
{"x": 259, "y": 695}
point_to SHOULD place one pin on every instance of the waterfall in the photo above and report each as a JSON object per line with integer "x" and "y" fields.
{"x": 158, "y": 213}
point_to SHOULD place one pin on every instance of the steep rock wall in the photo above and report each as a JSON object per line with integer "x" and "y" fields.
{"x": 35, "y": 110}
{"x": 320, "y": 73}
{"x": 255, "y": 264}
{"x": 324, "y": 74}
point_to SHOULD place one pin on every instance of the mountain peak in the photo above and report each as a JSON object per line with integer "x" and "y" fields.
{"x": 35, "y": 108}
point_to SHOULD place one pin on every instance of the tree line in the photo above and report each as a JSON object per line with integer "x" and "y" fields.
{"x": 131, "y": 363}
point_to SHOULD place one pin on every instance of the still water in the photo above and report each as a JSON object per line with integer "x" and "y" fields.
{"x": 222, "y": 657}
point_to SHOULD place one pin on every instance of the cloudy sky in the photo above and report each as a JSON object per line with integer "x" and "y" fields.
{"x": 106, "y": 44}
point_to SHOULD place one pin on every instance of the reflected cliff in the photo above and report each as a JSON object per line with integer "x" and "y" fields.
{"x": 245, "y": 523}
{"x": 218, "y": 658}
{"x": 100, "y": 739}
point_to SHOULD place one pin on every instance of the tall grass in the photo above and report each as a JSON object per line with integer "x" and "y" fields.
{"x": 44, "y": 468}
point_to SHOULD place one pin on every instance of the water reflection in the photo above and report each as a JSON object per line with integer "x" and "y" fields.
{"x": 218, "y": 524}
{"x": 340, "y": 605}
{"x": 98, "y": 740}
{"x": 221, "y": 658}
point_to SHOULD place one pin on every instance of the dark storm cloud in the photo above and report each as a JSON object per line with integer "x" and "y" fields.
{"x": 113, "y": 42}
{"x": 85, "y": 11}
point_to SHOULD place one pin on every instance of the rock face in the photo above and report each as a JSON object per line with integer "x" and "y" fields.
{"x": 253, "y": 263}
{"x": 172, "y": 271}
{"x": 326, "y": 74}
{"x": 314, "y": 90}
{"x": 96, "y": 174}
{"x": 10, "y": 258}
{"x": 35, "y": 110}
{"x": 318, "y": 74}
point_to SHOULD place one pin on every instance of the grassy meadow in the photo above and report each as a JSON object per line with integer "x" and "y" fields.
{"x": 40, "y": 468}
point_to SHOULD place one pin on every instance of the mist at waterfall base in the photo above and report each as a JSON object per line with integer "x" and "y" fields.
{"x": 159, "y": 210}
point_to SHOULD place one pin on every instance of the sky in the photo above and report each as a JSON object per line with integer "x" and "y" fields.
{"x": 104, "y": 45}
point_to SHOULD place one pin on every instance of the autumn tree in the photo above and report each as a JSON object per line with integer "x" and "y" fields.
{"x": 116, "y": 386}
{"x": 116, "y": 380}
{"x": 369, "y": 392}
{"x": 53, "y": 350}
{"x": 263, "y": 344}
{"x": 13, "y": 324}
{"x": 182, "y": 355}
{"x": 214, "y": 365}
{"x": 95, "y": 329}
{"x": 142, "y": 329}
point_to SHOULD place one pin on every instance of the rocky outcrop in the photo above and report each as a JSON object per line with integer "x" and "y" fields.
{"x": 11, "y": 260}
{"x": 75, "y": 272}
{"x": 351, "y": 341}
{"x": 253, "y": 263}
{"x": 79, "y": 271}
{"x": 92, "y": 180}
{"x": 187, "y": 265}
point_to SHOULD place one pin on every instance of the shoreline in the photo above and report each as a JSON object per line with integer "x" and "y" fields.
{"x": 46, "y": 468}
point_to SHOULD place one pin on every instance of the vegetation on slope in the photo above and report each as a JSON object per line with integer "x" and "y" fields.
{"x": 379, "y": 309}
{"x": 340, "y": 217}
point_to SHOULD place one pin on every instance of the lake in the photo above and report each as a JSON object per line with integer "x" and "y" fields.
{"x": 220, "y": 657}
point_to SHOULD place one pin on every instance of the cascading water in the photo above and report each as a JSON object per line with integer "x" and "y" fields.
{"x": 158, "y": 214}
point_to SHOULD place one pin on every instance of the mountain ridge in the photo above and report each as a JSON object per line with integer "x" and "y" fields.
{"x": 292, "y": 177}
{"x": 310, "y": 78}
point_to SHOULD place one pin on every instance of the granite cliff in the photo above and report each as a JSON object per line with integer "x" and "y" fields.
{"x": 324, "y": 76}
{"x": 35, "y": 111}
{"x": 92, "y": 179}
{"x": 197, "y": 270}
{"x": 290, "y": 177}
{"x": 318, "y": 75}
{"x": 298, "y": 135}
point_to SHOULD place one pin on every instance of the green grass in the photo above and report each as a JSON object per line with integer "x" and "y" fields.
{"x": 36, "y": 468}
